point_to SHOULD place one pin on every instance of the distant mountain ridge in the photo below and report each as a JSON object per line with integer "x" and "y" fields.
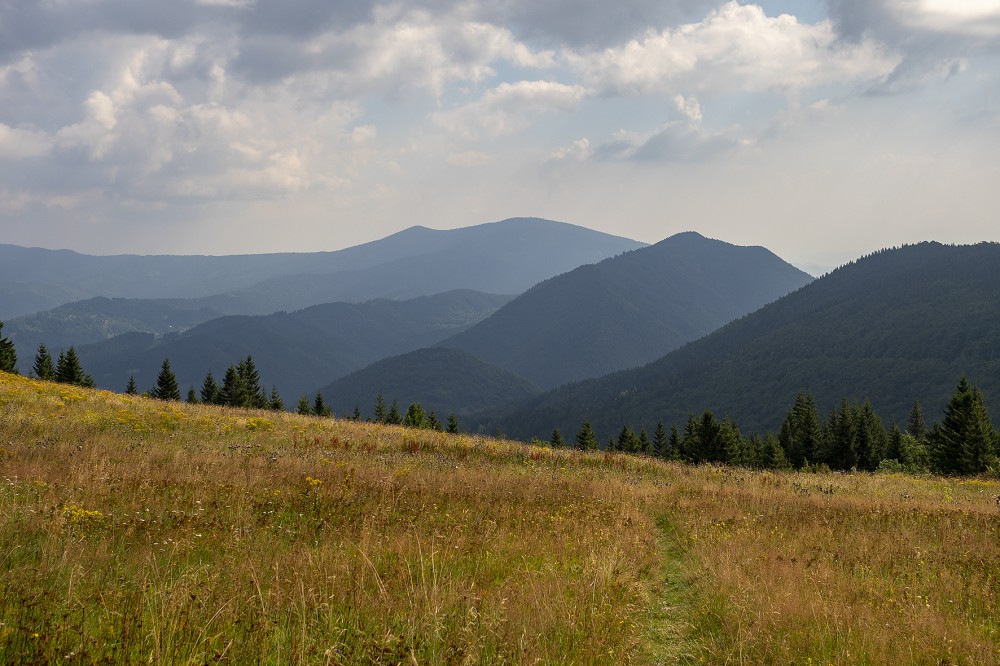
{"x": 500, "y": 257}
{"x": 893, "y": 327}
{"x": 297, "y": 351}
{"x": 629, "y": 309}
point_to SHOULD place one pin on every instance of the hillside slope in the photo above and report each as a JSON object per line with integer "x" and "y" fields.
{"x": 628, "y": 310}
{"x": 893, "y": 327}
{"x": 297, "y": 351}
{"x": 440, "y": 379}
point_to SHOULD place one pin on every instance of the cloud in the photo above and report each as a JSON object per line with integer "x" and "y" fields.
{"x": 509, "y": 108}
{"x": 736, "y": 48}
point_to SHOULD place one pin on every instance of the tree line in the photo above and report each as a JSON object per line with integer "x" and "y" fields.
{"x": 851, "y": 437}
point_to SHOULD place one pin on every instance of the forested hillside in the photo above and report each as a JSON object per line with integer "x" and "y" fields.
{"x": 893, "y": 327}
{"x": 296, "y": 351}
{"x": 439, "y": 379}
{"x": 628, "y": 310}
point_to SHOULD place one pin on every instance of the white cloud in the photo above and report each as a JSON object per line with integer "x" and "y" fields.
{"x": 736, "y": 47}
{"x": 509, "y": 108}
{"x": 23, "y": 142}
{"x": 577, "y": 151}
{"x": 979, "y": 18}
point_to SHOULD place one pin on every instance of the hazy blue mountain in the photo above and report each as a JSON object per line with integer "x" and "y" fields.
{"x": 629, "y": 309}
{"x": 440, "y": 379}
{"x": 500, "y": 257}
{"x": 894, "y": 327}
{"x": 297, "y": 351}
{"x": 100, "y": 318}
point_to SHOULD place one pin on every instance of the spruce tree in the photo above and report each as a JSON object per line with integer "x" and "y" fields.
{"x": 964, "y": 442}
{"x": 251, "y": 394}
{"x": 673, "y": 451}
{"x": 380, "y": 415}
{"x": 44, "y": 368}
{"x": 452, "y": 424}
{"x": 627, "y": 441}
{"x": 393, "y": 417}
{"x": 557, "y": 440}
{"x": 871, "y": 437}
{"x": 660, "y": 440}
{"x": 319, "y": 405}
{"x": 231, "y": 394}
{"x": 357, "y": 413}
{"x": 916, "y": 426}
{"x": 275, "y": 403}
{"x": 433, "y": 423}
{"x": 68, "y": 369}
{"x": 586, "y": 440}
{"x": 166, "y": 384}
{"x": 801, "y": 434}
{"x": 840, "y": 439}
{"x": 131, "y": 388}
{"x": 8, "y": 355}
{"x": 645, "y": 446}
{"x": 303, "y": 406}
{"x": 192, "y": 397}
{"x": 612, "y": 445}
{"x": 209, "y": 390}
{"x": 415, "y": 416}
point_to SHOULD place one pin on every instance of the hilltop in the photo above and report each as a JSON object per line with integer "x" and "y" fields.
{"x": 629, "y": 309}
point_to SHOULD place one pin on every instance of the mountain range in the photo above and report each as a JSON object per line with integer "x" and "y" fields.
{"x": 503, "y": 257}
{"x": 896, "y": 326}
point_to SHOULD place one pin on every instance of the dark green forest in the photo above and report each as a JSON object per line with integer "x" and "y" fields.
{"x": 893, "y": 327}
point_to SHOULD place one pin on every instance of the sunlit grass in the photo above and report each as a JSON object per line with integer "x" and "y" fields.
{"x": 137, "y": 530}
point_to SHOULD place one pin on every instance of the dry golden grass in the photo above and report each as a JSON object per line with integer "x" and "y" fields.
{"x": 136, "y": 530}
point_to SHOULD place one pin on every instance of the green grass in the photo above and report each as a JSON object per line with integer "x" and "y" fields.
{"x": 135, "y": 530}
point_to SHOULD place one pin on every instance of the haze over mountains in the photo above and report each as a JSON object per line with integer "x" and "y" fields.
{"x": 894, "y": 327}
{"x": 503, "y": 257}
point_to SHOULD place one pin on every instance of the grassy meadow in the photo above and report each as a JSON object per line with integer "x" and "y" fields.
{"x": 133, "y": 530}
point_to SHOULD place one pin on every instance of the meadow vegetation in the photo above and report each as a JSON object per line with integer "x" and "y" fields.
{"x": 140, "y": 530}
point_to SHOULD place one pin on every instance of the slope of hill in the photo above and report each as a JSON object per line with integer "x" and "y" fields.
{"x": 894, "y": 327}
{"x": 298, "y": 351}
{"x": 628, "y": 310}
{"x": 440, "y": 379}
{"x": 500, "y": 257}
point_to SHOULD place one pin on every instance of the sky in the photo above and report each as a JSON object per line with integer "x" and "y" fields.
{"x": 821, "y": 129}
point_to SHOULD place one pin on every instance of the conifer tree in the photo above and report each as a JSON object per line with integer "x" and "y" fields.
{"x": 380, "y": 415}
{"x": 557, "y": 440}
{"x": 731, "y": 444}
{"x": 660, "y": 440}
{"x": 840, "y": 440}
{"x": 627, "y": 441}
{"x": 357, "y": 413}
{"x": 612, "y": 445}
{"x": 231, "y": 394}
{"x": 303, "y": 406}
{"x": 645, "y": 446}
{"x": 166, "y": 384}
{"x": 319, "y": 405}
{"x": 415, "y": 416}
{"x": 673, "y": 451}
{"x": 586, "y": 440}
{"x": 131, "y": 388}
{"x": 871, "y": 436}
{"x": 44, "y": 368}
{"x": 8, "y": 355}
{"x": 433, "y": 423}
{"x": 275, "y": 403}
{"x": 68, "y": 369}
{"x": 800, "y": 432}
{"x": 964, "y": 442}
{"x": 251, "y": 394}
{"x": 209, "y": 390}
{"x": 393, "y": 417}
{"x": 916, "y": 426}
{"x": 452, "y": 424}
{"x": 192, "y": 397}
